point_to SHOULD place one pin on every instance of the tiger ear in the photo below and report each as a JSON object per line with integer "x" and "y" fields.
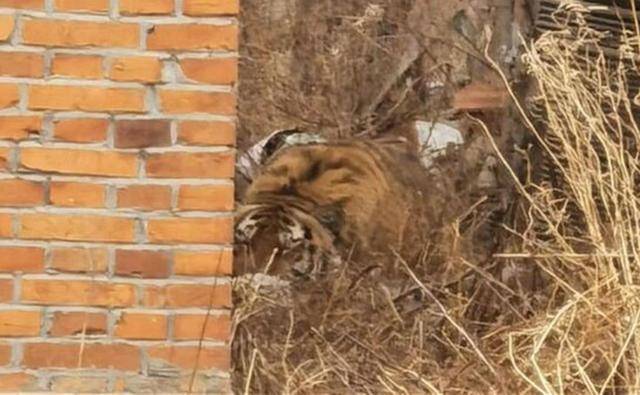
{"x": 331, "y": 217}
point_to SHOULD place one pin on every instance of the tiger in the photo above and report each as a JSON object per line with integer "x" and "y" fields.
{"x": 312, "y": 206}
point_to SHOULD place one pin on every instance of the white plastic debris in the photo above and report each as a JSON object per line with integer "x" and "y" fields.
{"x": 434, "y": 138}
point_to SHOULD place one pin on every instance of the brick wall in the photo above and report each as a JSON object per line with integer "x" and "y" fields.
{"x": 116, "y": 164}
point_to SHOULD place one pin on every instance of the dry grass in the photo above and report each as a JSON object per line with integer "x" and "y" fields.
{"x": 555, "y": 310}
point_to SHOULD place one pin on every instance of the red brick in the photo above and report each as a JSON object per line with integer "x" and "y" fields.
{"x": 77, "y": 293}
{"x": 211, "y": 7}
{"x": 18, "y": 382}
{"x": 139, "y": 68}
{"x": 75, "y": 323}
{"x": 79, "y": 384}
{"x": 77, "y": 66}
{"x": 219, "y": 71}
{"x": 198, "y": 295}
{"x": 82, "y": 5}
{"x": 19, "y": 127}
{"x": 76, "y": 228}
{"x": 70, "y": 161}
{"x": 5, "y": 225}
{"x": 67, "y": 355}
{"x": 206, "y": 197}
{"x": 191, "y": 165}
{"x": 83, "y": 98}
{"x": 21, "y": 64}
{"x": 81, "y": 130}
{"x": 23, "y": 4}
{"x": 198, "y": 263}
{"x": 6, "y": 290}
{"x": 21, "y": 193}
{"x": 9, "y": 95}
{"x": 141, "y": 326}
{"x": 76, "y": 194}
{"x": 21, "y": 259}
{"x": 187, "y": 102}
{"x": 183, "y": 37}
{"x": 144, "y": 264}
{"x": 189, "y": 357}
{"x": 146, "y": 7}
{"x": 190, "y": 327}
{"x": 207, "y": 133}
{"x": 143, "y": 133}
{"x": 191, "y": 230}
{"x": 79, "y": 260}
{"x": 19, "y": 323}
{"x": 145, "y": 197}
{"x": 60, "y": 33}
{"x": 5, "y": 356}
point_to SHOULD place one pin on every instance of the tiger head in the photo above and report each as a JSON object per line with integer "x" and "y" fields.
{"x": 283, "y": 240}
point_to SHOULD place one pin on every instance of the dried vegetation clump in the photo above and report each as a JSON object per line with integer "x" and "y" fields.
{"x": 551, "y": 304}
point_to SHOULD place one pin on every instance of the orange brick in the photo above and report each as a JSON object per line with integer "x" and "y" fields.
{"x": 141, "y": 326}
{"x": 82, "y": 260}
{"x": 188, "y": 357}
{"x": 142, "y": 133}
{"x": 197, "y": 263}
{"x": 146, "y": 7}
{"x": 57, "y": 33}
{"x": 21, "y": 193}
{"x": 81, "y": 130}
{"x": 78, "y": 66}
{"x": 82, "y": 5}
{"x": 206, "y": 197}
{"x": 19, "y": 323}
{"x": 9, "y": 95}
{"x": 75, "y": 323}
{"x": 67, "y": 355}
{"x": 21, "y": 259}
{"x": 6, "y": 291}
{"x": 191, "y": 230}
{"x": 69, "y": 161}
{"x": 154, "y": 296}
{"x": 76, "y": 228}
{"x": 5, "y": 355}
{"x": 185, "y": 296}
{"x": 79, "y": 98}
{"x": 186, "y": 102}
{"x": 21, "y": 64}
{"x": 211, "y": 7}
{"x": 7, "y": 24}
{"x": 190, "y": 327}
{"x": 145, "y": 197}
{"x": 18, "y": 382}
{"x": 77, "y": 293}
{"x": 221, "y": 71}
{"x": 19, "y": 127}
{"x": 23, "y": 4}
{"x": 5, "y": 225}
{"x": 5, "y": 153}
{"x": 76, "y": 194}
{"x": 191, "y": 165}
{"x": 207, "y": 133}
{"x": 198, "y": 295}
{"x": 139, "y": 68}
{"x": 183, "y": 37}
